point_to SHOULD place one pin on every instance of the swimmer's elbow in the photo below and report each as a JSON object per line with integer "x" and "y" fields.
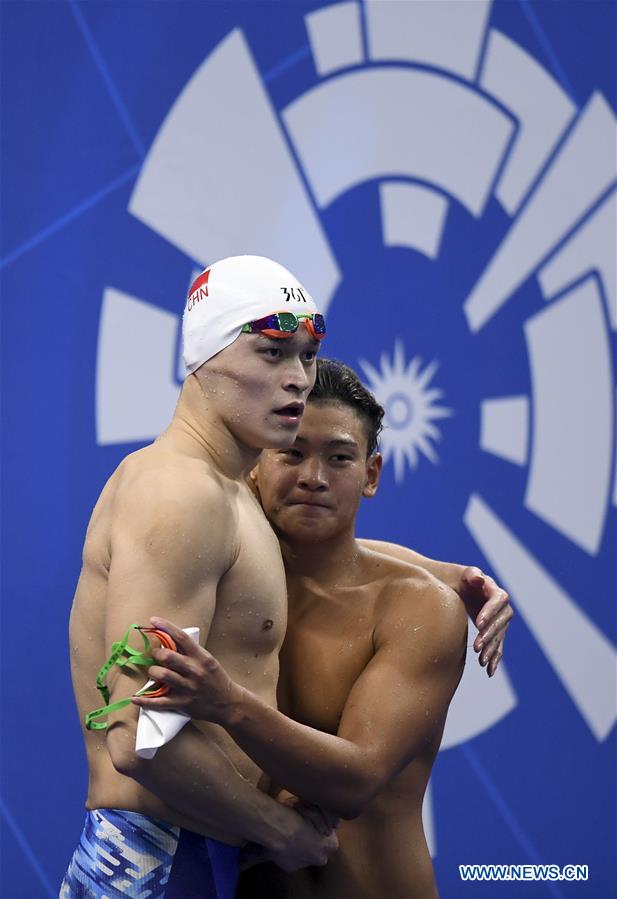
{"x": 357, "y": 795}
{"x": 352, "y": 806}
{"x": 349, "y": 810}
{"x": 121, "y": 749}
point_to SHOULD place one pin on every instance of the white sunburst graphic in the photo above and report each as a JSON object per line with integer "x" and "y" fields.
{"x": 411, "y": 407}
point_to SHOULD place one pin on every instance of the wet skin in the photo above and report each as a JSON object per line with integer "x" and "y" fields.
{"x": 177, "y": 531}
{"x": 338, "y": 590}
{"x": 374, "y": 651}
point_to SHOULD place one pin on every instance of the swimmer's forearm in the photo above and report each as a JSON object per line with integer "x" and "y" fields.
{"x": 449, "y": 573}
{"x": 193, "y": 775}
{"x": 321, "y": 768}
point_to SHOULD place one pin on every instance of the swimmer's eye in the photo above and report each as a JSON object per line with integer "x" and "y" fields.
{"x": 271, "y": 352}
{"x": 293, "y": 455}
{"x": 309, "y": 356}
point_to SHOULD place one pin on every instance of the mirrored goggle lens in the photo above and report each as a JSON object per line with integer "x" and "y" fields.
{"x": 319, "y": 323}
{"x": 282, "y": 321}
{"x": 288, "y": 322}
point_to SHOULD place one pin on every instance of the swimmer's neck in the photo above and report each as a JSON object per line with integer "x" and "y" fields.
{"x": 335, "y": 561}
{"x": 198, "y": 432}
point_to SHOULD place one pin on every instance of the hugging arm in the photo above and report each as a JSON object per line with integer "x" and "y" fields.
{"x": 487, "y": 604}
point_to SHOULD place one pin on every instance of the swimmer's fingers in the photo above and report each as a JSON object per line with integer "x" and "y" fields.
{"x": 491, "y": 653}
{"x": 322, "y": 821}
{"x": 496, "y": 659}
{"x": 173, "y": 660}
{"x": 178, "y": 696}
{"x": 484, "y": 599}
{"x": 497, "y": 627}
{"x": 182, "y": 640}
{"x": 489, "y": 642}
{"x": 488, "y": 605}
{"x": 199, "y": 685}
{"x": 175, "y": 696}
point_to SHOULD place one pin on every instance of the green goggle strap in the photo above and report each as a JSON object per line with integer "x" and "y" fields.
{"x": 121, "y": 654}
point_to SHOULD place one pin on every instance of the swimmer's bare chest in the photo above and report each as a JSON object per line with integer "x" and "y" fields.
{"x": 250, "y": 618}
{"x": 329, "y": 642}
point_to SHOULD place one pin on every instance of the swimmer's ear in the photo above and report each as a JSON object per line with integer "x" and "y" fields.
{"x": 374, "y": 464}
{"x": 253, "y": 480}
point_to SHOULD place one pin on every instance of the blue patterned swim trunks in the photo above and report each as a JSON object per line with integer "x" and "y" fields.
{"x": 124, "y": 854}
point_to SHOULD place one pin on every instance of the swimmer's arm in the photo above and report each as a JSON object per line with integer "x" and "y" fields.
{"x": 486, "y": 602}
{"x": 159, "y": 563}
{"x": 397, "y": 705}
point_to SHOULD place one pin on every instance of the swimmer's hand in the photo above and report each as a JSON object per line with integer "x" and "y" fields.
{"x": 323, "y": 821}
{"x": 488, "y": 606}
{"x": 198, "y": 685}
{"x": 315, "y": 824}
{"x": 296, "y": 855}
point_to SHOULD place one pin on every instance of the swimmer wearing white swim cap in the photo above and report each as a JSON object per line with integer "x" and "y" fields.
{"x": 177, "y": 532}
{"x": 234, "y": 292}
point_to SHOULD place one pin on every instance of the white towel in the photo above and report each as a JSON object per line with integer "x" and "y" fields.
{"x": 154, "y": 729}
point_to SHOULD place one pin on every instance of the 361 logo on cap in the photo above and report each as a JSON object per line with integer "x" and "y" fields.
{"x": 199, "y": 290}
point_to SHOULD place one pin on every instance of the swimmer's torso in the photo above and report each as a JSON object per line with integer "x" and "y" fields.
{"x": 246, "y": 629}
{"x": 329, "y": 641}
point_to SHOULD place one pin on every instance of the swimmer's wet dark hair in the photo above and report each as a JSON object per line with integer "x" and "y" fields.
{"x": 338, "y": 383}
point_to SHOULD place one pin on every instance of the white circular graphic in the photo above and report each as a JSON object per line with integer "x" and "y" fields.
{"x": 463, "y": 124}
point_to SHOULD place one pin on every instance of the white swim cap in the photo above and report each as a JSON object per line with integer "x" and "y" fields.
{"x": 228, "y": 295}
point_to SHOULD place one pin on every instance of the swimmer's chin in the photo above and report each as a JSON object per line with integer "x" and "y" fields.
{"x": 284, "y": 440}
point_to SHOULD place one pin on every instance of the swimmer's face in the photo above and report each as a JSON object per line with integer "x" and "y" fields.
{"x": 259, "y": 386}
{"x": 311, "y": 491}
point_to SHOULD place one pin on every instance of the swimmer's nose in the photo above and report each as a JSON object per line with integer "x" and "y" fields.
{"x": 297, "y": 378}
{"x": 313, "y": 475}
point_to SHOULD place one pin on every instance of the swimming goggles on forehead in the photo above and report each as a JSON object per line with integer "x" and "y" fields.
{"x": 284, "y": 324}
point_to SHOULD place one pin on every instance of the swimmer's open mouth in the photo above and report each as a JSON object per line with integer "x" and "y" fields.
{"x": 291, "y": 410}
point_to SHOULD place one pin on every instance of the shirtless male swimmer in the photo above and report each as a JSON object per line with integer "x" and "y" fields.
{"x": 177, "y": 532}
{"x": 374, "y": 651}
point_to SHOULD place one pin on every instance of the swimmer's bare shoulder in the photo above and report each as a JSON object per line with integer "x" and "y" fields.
{"x": 161, "y": 537}
{"x": 404, "y": 580}
{"x": 151, "y": 479}
{"x": 173, "y": 522}
{"x": 418, "y": 610}
{"x": 419, "y": 638}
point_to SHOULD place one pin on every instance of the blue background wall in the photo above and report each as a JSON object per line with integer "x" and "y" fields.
{"x": 453, "y": 170}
